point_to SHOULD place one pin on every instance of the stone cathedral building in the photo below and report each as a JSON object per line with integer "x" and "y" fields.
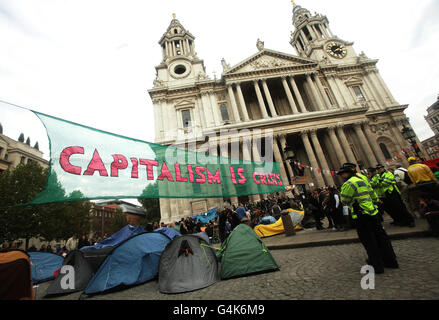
{"x": 326, "y": 103}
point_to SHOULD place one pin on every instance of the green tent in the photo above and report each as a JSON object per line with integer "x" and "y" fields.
{"x": 243, "y": 253}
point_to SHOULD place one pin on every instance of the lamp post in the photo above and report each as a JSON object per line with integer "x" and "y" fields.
{"x": 410, "y": 136}
{"x": 286, "y": 218}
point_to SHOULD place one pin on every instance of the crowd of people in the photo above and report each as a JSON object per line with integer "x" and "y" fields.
{"x": 402, "y": 193}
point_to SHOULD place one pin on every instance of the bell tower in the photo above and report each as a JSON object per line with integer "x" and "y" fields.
{"x": 312, "y": 38}
{"x": 180, "y": 64}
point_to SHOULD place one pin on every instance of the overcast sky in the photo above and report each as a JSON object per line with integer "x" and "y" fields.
{"x": 91, "y": 62}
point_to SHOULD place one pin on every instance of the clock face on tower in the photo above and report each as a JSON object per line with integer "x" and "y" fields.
{"x": 336, "y": 50}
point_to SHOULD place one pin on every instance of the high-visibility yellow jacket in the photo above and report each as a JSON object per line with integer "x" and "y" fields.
{"x": 387, "y": 182}
{"x": 359, "y": 195}
{"x": 421, "y": 174}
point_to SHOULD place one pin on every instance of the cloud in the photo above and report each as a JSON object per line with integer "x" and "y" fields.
{"x": 15, "y": 21}
{"x": 427, "y": 24}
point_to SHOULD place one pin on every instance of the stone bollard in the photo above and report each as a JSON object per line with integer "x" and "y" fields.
{"x": 288, "y": 224}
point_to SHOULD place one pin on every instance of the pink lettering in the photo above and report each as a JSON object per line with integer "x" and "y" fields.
{"x": 64, "y": 159}
{"x": 96, "y": 164}
{"x": 119, "y": 163}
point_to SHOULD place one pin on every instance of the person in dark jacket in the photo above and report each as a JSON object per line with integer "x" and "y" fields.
{"x": 429, "y": 208}
{"x": 83, "y": 242}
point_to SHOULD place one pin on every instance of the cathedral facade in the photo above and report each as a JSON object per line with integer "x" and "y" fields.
{"x": 322, "y": 107}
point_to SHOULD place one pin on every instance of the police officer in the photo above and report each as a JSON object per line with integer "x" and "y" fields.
{"x": 358, "y": 194}
{"x": 391, "y": 197}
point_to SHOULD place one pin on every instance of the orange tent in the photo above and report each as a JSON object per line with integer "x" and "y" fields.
{"x": 15, "y": 276}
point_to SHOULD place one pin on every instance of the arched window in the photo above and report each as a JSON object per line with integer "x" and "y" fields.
{"x": 385, "y": 151}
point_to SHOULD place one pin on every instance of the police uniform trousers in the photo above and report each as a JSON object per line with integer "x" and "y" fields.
{"x": 396, "y": 208}
{"x": 376, "y": 242}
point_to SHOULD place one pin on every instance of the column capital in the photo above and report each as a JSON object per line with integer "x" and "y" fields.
{"x": 313, "y": 132}
{"x": 332, "y": 128}
{"x": 305, "y": 132}
{"x": 284, "y": 77}
{"x": 255, "y": 81}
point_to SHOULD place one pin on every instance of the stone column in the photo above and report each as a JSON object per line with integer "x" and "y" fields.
{"x": 278, "y": 158}
{"x": 224, "y": 150}
{"x": 165, "y": 208}
{"x": 379, "y": 94}
{"x": 269, "y": 100}
{"x": 341, "y": 93}
{"x": 257, "y": 155}
{"x": 215, "y": 110}
{"x": 242, "y": 102}
{"x": 322, "y": 158}
{"x": 323, "y": 92}
{"x": 233, "y": 102}
{"x": 345, "y": 144}
{"x": 345, "y": 93}
{"x": 289, "y": 96}
{"x": 283, "y": 144}
{"x": 260, "y": 100}
{"x": 312, "y": 158}
{"x": 335, "y": 90}
{"x": 387, "y": 92}
{"x": 246, "y": 155}
{"x": 336, "y": 144}
{"x": 371, "y": 159}
{"x": 207, "y": 110}
{"x": 372, "y": 97}
{"x": 297, "y": 94}
{"x": 374, "y": 144}
{"x": 314, "y": 92}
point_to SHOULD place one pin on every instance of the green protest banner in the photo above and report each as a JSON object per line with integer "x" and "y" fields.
{"x": 88, "y": 164}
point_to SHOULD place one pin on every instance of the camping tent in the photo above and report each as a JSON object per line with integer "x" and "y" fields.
{"x": 15, "y": 276}
{"x": 188, "y": 264}
{"x": 207, "y": 216}
{"x": 85, "y": 264}
{"x": 125, "y": 233}
{"x": 43, "y": 265}
{"x": 244, "y": 253}
{"x": 278, "y": 227}
{"x": 133, "y": 262}
{"x": 268, "y": 220}
{"x": 170, "y": 232}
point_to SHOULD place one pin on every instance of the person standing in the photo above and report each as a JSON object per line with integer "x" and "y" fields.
{"x": 360, "y": 197}
{"x": 423, "y": 178}
{"x": 393, "y": 203}
{"x": 241, "y": 212}
{"x": 403, "y": 183}
{"x": 72, "y": 243}
{"x": 430, "y": 210}
{"x": 83, "y": 242}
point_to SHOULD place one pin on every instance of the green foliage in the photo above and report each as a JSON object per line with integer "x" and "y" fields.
{"x": 118, "y": 222}
{"x": 152, "y": 206}
{"x": 50, "y": 221}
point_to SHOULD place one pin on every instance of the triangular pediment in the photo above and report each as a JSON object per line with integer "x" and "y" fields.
{"x": 267, "y": 60}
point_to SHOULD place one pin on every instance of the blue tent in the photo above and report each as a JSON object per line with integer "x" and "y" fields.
{"x": 125, "y": 233}
{"x": 268, "y": 220}
{"x": 133, "y": 262}
{"x": 207, "y": 216}
{"x": 43, "y": 264}
{"x": 171, "y": 233}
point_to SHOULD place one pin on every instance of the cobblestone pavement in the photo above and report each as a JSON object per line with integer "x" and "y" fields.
{"x": 330, "y": 272}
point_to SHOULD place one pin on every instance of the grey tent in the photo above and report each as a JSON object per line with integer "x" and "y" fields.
{"x": 188, "y": 264}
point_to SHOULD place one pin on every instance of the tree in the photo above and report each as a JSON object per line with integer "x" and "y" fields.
{"x": 17, "y": 187}
{"x": 118, "y": 222}
{"x": 51, "y": 221}
{"x": 151, "y": 205}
